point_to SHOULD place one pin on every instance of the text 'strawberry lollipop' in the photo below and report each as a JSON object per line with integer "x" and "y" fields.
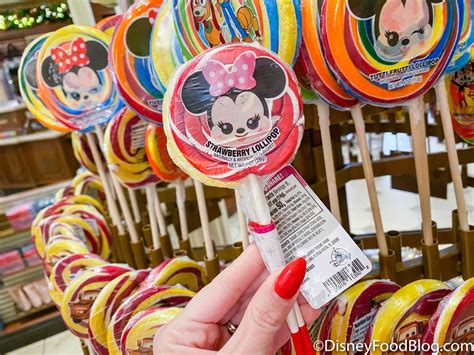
{"x": 131, "y": 60}
{"x": 275, "y": 24}
{"x": 28, "y": 82}
{"x": 125, "y": 150}
{"x": 233, "y": 111}
{"x": 74, "y": 78}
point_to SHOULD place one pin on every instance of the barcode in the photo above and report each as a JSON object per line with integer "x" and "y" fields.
{"x": 339, "y": 280}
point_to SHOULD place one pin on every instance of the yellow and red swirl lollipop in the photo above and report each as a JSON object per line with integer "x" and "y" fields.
{"x": 89, "y": 184}
{"x": 125, "y": 150}
{"x": 28, "y": 83}
{"x": 107, "y": 303}
{"x": 82, "y": 152}
{"x": 81, "y": 293}
{"x": 158, "y": 156}
{"x": 74, "y": 77}
{"x": 131, "y": 60}
{"x": 59, "y": 247}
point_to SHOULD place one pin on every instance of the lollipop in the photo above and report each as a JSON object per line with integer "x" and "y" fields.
{"x": 453, "y": 321}
{"x": 275, "y": 24}
{"x": 81, "y": 294}
{"x": 29, "y": 86}
{"x": 59, "y": 247}
{"x": 74, "y": 78}
{"x": 177, "y": 271}
{"x": 404, "y": 316}
{"x": 108, "y": 24}
{"x": 131, "y": 60}
{"x": 82, "y": 152}
{"x": 107, "y": 303}
{"x": 235, "y": 113}
{"x": 89, "y": 184}
{"x": 138, "y": 335}
{"x": 348, "y": 317}
{"x": 155, "y": 296}
{"x": 165, "y": 49}
{"x": 66, "y": 270}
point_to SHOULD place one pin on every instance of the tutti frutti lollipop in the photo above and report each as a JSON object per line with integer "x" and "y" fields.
{"x": 164, "y": 167}
{"x": 453, "y": 321}
{"x": 106, "y": 304}
{"x": 131, "y": 60}
{"x": 28, "y": 83}
{"x": 405, "y": 315}
{"x": 138, "y": 335}
{"x": 332, "y": 93}
{"x": 81, "y": 294}
{"x": 275, "y": 24}
{"x": 232, "y": 116}
{"x": 389, "y": 53}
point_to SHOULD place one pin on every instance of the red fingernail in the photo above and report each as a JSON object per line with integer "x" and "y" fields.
{"x": 289, "y": 281}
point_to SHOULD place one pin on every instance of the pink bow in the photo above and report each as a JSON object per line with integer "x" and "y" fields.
{"x": 66, "y": 61}
{"x": 239, "y": 75}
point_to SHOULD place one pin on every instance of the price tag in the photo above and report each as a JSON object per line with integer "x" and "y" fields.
{"x": 307, "y": 228}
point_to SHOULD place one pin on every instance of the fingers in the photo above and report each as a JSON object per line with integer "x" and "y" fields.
{"x": 267, "y": 311}
{"x": 215, "y": 300}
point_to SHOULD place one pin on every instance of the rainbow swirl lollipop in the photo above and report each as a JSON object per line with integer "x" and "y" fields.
{"x": 131, "y": 60}
{"x": 462, "y": 55}
{"x": 74, "y": 78}
{"x": 29, "y": 86}
{"x": 276, "y": 24}
{"x": 388, "y": 59}
{"x": 108, "y": 24}
{"x": 125, "y": 150}
{"x": 165, "y": 49}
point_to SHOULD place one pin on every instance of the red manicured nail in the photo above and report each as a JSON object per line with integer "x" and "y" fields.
{"x": 289, "y": 281}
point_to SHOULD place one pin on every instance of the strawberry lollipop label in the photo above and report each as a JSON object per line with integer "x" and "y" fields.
{"x": 389, "y": 51}
{"x": 234, "y": 111}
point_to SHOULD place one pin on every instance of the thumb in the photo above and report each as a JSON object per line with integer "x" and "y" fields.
{"x": 267, "y": 311}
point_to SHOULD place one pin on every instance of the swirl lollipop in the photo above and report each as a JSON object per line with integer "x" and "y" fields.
{"x": 59, "y": 247}
{"x": 82, "y": 152}
{"x": 89, "y": 184}
{"x": 275, "y": 24}
{"x": 81, "y": 294}
{"x": 107, "y": 303}
{"x": 108, "y": 24}
{"x": 138, "y": 335}
{"x": 29, "y": 86}
{"x": 131, "y": 59}
{"x": 66, "y": 270}
{"x": 235, "y": 114}
{"x": 390, "y": 53}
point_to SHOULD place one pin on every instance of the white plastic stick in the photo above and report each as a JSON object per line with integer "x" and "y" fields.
{"x": 201, "y": 200}
{"x": 150, "y": 197}
{"x": 120, "y": 195}
{"x": 180, "y": 201}
{"x": 418, "y": 134}
{"x": 324, "y": 124}
{"x": 111, "y": 203}
{"x": 369, "y": 178}
{"x": 244, "y": 233}
{"x": 159, "y": 212}
{"x": 443, "y": 106}
{"x": 136, "y": 211}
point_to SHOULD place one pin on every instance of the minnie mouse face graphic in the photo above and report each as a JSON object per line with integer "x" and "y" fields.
{"x": 235, "y": 98}
{"x": 403, "y": 28}
{"x": 76, "y": 72}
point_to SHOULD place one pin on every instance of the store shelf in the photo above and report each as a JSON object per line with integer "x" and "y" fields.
{"x": 15, "y": 240}
{"x": 23, "y": 276}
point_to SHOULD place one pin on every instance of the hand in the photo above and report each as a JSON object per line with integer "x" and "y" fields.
{"x": 244, "y": 294}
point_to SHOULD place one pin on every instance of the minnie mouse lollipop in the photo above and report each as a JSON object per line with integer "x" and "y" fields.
{"x": 131, "y": 60}
{"x": 390, "y": 53}
{"x": 234, "y": 114}
{"x": 29, "y": 86}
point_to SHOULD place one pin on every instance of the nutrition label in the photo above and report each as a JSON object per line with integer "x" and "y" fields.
{"x": 307, "y": 228}
{"x": 138, "y": 134}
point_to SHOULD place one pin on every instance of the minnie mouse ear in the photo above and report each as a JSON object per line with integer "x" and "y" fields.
{"x": 138, "y": 37}
{"x": 97, "y": 54}
{"x": 366, "y": 8}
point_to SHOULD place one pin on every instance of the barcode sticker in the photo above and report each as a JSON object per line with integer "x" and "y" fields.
{"x": 307, "y": 228}
{"x": 138, "y": 134}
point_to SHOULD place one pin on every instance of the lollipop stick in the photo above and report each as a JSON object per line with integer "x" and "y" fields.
{"x": 201, "y": 200}
{"x": 121, "y": 196}
{"x": 418, "y": 133}
{"x": 114, "y": 212}
{"x": 158, "y": 211}
{"x": 441, "y": 96}
{"x": 242, "y": 222}
{"x": 180, "y": 199}
{"x": 369, "y": 178}
{"x": 323, "y": 114}
{"x": 150, "y": 196}
{"x": 134, "y": 202}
